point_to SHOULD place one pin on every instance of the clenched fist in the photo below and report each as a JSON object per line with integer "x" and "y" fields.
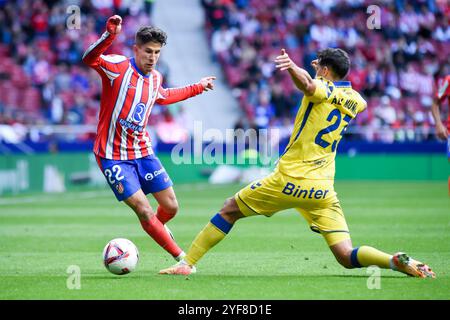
{"x": 114, "y": 24}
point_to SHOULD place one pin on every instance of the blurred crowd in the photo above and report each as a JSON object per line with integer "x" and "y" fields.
{"x": 42, "y": 78}
{"x": 43, "y": 81}
{"x": 394, "y": 63}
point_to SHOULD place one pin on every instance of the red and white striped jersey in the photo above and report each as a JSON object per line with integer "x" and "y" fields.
{"x": 443, "y": 93}
{"x": 128, "y": 96}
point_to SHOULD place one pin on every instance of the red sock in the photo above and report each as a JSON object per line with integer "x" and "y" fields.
{"x": 156, "y": 230}
{"x": 163, "y": 216}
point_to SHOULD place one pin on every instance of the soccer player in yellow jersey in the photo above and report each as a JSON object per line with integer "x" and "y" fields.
{"x": 304, "y": 176}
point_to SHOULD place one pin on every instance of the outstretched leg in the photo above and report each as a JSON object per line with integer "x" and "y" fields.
{"x": 365, "y": 256}
{"x": 214, "y": 232}
{"x": 151, "y": 224}
{"x": 330, "y": 222}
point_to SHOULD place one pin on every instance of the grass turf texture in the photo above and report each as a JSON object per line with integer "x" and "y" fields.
{"x": 261, "y": 258}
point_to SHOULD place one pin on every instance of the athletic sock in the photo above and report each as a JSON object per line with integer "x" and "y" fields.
{"x": 365, "y": 256}
{"x": 163, "y": 216}
{"x": 181, "y": 256}
{"x": 211, "y": 234}
{"x": 156, "y": 230}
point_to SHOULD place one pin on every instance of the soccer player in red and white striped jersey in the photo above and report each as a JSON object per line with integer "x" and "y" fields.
{"x": 130, "y": 88}
{"x": 442, "y": 97}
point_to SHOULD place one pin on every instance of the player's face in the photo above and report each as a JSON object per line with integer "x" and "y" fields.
{"x": 147, "y": 55}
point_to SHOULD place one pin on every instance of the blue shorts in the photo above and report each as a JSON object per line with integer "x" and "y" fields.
{"x": 125, "y": 177}
{"x": 448, "y": 147}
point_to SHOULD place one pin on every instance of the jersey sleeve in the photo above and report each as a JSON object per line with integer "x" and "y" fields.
{"x": 105, "y": 65}
{"x": 443, "y": 89}
{"x": 173, "y": 95}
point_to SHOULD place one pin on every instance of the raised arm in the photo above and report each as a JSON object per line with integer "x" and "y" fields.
{"x": 300, "y": 77}
{"x": 92, "y": 55}
{"x": 173, "y": 95}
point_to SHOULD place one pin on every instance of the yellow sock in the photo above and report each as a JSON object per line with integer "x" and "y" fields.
{"x": 365, "y": 256}
{"x": 211, "y": 234}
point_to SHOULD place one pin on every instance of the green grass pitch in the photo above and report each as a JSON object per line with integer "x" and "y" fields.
{"x": 261, "y": 258}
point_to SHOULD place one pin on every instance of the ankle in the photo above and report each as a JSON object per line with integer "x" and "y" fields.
{"x": 180, "y": 256}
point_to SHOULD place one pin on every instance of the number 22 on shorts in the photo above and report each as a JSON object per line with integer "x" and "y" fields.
{"x": 114, "y": 174}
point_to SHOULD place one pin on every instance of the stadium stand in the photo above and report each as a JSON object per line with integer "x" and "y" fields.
{"x": 42, "y": 80}
{"x": 395, "y": 66}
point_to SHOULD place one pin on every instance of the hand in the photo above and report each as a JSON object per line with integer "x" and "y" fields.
{"x": 441, "y": 131}
{"x": 283, "y": 62}
{"x": 207, "y": 83}
{"x": 114, "y": 24}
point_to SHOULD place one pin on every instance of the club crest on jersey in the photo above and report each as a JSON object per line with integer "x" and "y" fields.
{"x": 119, "y": 187}
{"x": 138, "y": 113}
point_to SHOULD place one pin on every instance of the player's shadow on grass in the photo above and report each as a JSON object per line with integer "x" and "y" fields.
{"x": 116, "y": 278}
{"x": 359, "y": 276}
{"x": 282, "y": 276}
{"x": 300, "y": 276}
{"x": 137, "y": 276}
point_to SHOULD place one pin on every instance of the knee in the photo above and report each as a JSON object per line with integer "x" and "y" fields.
{"x": 230, "y": 211}
{"x": 144, "y": 211}
{"x": 227, "y": 207}
{"x": 344, "y": 259}
{"x": 171, "y": 208}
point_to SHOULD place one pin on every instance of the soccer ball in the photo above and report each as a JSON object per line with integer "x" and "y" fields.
{"x": 120, "y": 256}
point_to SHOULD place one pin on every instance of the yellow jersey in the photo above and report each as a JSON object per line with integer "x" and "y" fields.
{"x": 319, "y": 125}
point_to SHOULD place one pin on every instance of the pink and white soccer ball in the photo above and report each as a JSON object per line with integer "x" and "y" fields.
{"x": 120, "y": 256}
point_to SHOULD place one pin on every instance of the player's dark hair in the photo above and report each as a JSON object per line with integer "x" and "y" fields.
{"x": 150, "y": 34}
{"x": 335, "y": 59}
